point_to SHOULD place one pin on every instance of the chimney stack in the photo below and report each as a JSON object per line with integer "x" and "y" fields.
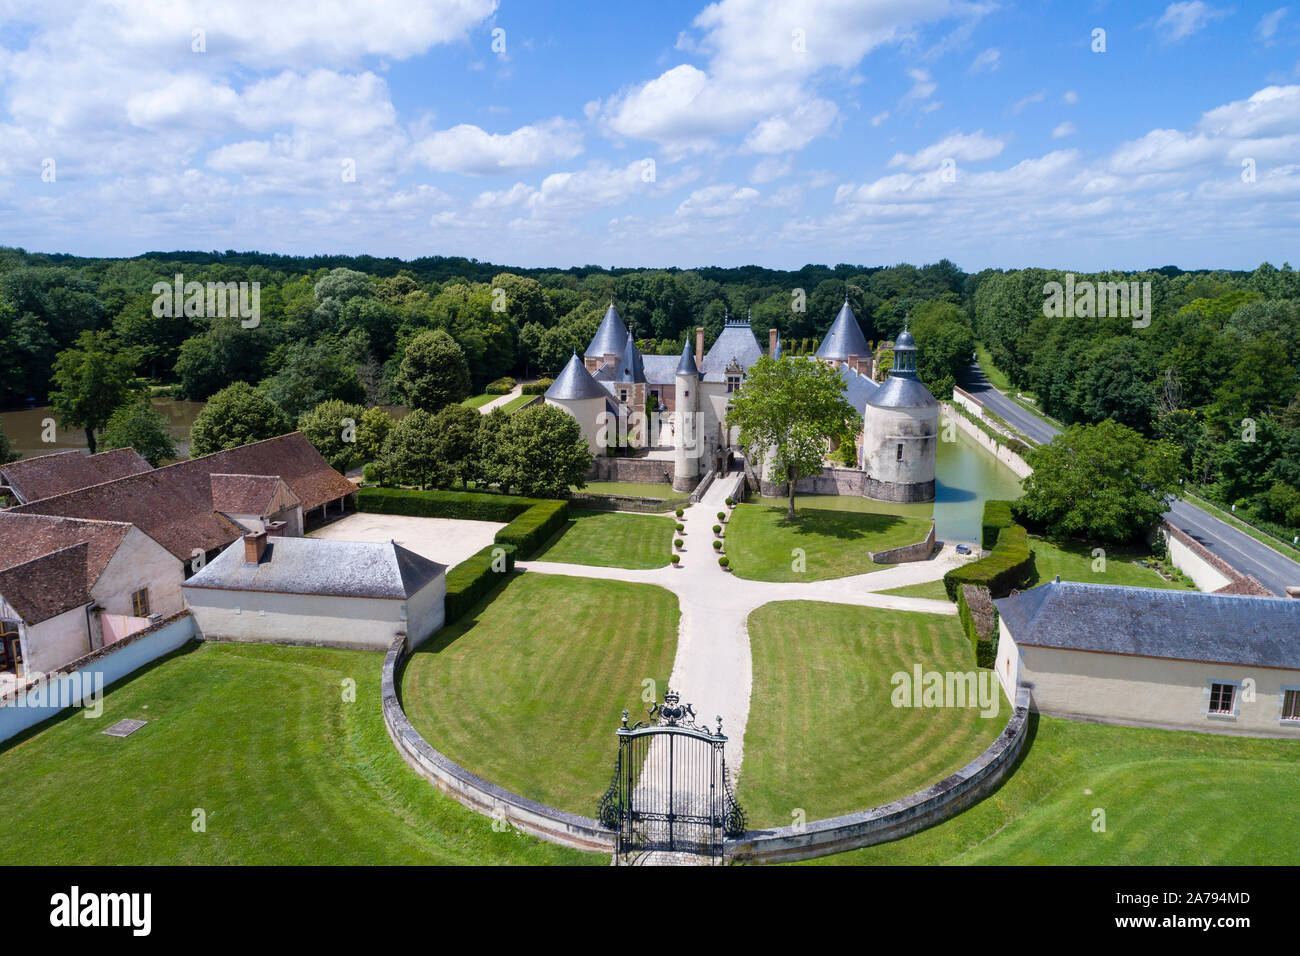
{"x": 275, "y": 529}
{"x": 853, "y": 362}
{"x": 771, "y": 341}
{"x": 254, "y": 546}
{"x": 699, "y": 345}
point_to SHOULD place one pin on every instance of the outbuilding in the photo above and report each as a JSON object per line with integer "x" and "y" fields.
{"x": 318, "y": 592}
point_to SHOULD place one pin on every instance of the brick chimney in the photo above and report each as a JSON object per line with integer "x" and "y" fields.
{"x": 275, "y": 529}
{"x": 853, "y": 362}
{"x": 771, "y": 341}
{"x": 254, "y": 546}
{"x": 699, "y": 345}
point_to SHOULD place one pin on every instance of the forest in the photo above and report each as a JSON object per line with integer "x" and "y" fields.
{"x": 1214, "y": 371}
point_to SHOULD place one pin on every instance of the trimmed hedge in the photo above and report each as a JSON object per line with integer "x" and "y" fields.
{"x": 1010, "y": 565}
{"x": 502, "y": 386}
{"x": 538, "y": 387}
{"x": 530, "y": 522}
{"x": 997, "y": 515}
{"x": 979, "y": 619}
{"x": 475, "y": 577}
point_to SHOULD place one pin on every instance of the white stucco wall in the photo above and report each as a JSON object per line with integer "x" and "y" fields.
{"x": 316, "y": 620}
{"x": 53, "y": 642}
{"x": 1204, "y": 575}
{"x": 1147, "y": 691}
{"x": 588, "y": 412}
{"x": 917, "y": 429}
{"x": 140, "y": 562}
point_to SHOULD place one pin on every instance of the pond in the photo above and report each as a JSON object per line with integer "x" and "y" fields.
{"x": 25, "y": 428}
{"x": 966, "y": 476}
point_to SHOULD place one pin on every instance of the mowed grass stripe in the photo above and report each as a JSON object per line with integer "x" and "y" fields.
{"x": 612, "y": 539}
{"x": 761, "y": 542}
{"x": 823, "y": 734}
{"x": 527, "y": 691}
{"x": 262, "y": 740}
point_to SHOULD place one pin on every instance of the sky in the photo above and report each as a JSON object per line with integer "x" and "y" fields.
{"x": 1077, "y": 135}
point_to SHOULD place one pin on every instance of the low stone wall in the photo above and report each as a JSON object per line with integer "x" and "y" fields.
{"x": 703, "y": 486}
{"x": 910, "y": 552}
{"x": 626, "y": 503}
{"x": 1001, "y": 452}
{"x": 832, "y": 481}
{"x": 651, "y": 471}
{"x": 1208, "y": 571}
{"x": 548, "y": 823}
{"x": 921, "y": 810}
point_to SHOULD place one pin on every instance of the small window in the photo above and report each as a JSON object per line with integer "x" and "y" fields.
{"x": 140, "y": 603}
{"x": 622, "y": 395}
{"x": 1221, "y": 698}
{"x": 899, "y": 456}
{"x": 733, "y": 383}
{"x": 1291, "y": 704}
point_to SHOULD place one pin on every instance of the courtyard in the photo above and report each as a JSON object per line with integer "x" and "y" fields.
{"x": 448, "y": 541}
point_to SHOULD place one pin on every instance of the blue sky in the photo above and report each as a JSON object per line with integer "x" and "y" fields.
{"x": 775, "y": 132}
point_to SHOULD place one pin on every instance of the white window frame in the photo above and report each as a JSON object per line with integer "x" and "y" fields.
{"x": 1236, "y": 699}
{"x": 1281, "y": 705}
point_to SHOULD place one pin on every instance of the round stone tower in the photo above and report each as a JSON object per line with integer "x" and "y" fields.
{"x": 688, "y": 436}
{"x": 900, "y": 434}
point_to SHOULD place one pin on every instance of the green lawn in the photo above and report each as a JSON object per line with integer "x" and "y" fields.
{"x": 995, "y": 375}
{"x": 859, "y": 503}
{"x": 927, "y": 589}
{"x": 478, "y": 401}
{"x": 634, "y": 489}
{"x": 761, "y": 543}
{"x": 1073, "y": 562}
{"x": 527, "y": 690}
{"x": 262, "y": 740}
{"x": 823, "y": 734}
{"x": 1169, "y": 797}
{"x": 518, "y": 402}
{"x": 612, "y": 539}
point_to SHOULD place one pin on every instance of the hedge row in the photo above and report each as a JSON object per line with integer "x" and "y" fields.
{"x": 538, "y": 387}
{"x": 471, "y": 580}
{"x": 979, "y": 619}
{"x": 530, "y": 522}
{"x": 502, "y": 386}
{"x": 535, "y": 527}
{"x": 997, "y": 515}
{"x": 1010, "y": 565}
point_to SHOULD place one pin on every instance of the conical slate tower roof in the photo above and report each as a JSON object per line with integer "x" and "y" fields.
{"x": 611, "y": 335}
{"x": 575, "y": 382}
{"x": 631, "y": 369}
{"x": 687, "y": 365}
{"x": 844, "y": 338}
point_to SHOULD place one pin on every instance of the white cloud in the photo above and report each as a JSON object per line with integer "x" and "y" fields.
{"x": 1064, "y": 129}
{"x": 1070, "y": 97}
{"x": 963, "y": 147}
{"x": 770, "y": 168}
{"x": 1019, "y": 105}
{"x": 1268, "y": 24}
{"x": 1181, "y": 20}
{"x": 715, "y": 202}
{"x": 988, "y": 61}
{"x": 879, "y": 118}
{"x": 793, "y": 130}
{"x": 473, "y": 151}
{"x": 923, "y": 87}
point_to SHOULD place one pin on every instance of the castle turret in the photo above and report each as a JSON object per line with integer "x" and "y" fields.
{"x": 900, "y": 437}
{"x": 606, "y": 346}
{"x": 575, "y": 391}
{"x": 688, "y": 440}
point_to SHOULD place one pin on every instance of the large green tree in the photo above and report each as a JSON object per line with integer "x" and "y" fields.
{"x": 236, "y": 415}
{"x": 433, "y": 372}
{"x": 457, "y": 427}
{"x": 410, "y": 455}
{"x": 310, "y": 373}
{"x": 1103, "y": 482}
{"x": 136, "y": 425}
{"x": 787, "y": 410}
{"x": 90, "y": 382}
{"x": 543, "y": 452}
{"x": 332, "y": 427}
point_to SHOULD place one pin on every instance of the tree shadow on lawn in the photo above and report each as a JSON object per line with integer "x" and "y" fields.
{"x": 847, "y": 525}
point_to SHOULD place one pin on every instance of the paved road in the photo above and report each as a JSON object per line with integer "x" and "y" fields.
{"x": 1239, "y": 549}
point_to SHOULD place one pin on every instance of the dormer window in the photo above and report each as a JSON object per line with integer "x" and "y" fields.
{"x": 733, "y": 383}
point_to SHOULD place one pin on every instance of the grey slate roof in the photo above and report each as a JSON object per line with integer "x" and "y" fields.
{"x": 902, "y": 391}
{"x": 321, "y": 566}
{"x": 1150, "y": 622}
{"x": 632, "y": 368}
{"x": 687, "y": 366}
{"x": 574, "y": 382}
{"x": 610, "y": 337}
{"x": 660, "y": 369}
{"x": 844, "y": 338}
{"x": 858, "y": 389}
{"x": 736, "y": 344}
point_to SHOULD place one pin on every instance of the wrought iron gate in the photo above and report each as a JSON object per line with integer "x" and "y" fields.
{"x": 670, "y": 792}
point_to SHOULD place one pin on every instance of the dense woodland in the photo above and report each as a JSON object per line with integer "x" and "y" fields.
{"x": 1215, "y": 373}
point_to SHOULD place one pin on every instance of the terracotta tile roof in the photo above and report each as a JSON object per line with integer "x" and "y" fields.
{"x": 25, "y": 537}
{"x": 251, "y": 494}
{"x": 48, "y": 475}
{"x": 47, "y": 586}
{"x": 173, "y": 504}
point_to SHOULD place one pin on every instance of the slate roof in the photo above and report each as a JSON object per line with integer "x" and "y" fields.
{"x": 1150, "y": 622}
{"x": 245, "y": 494}
{"x": 632, "y": 368}
{"x": 173, "y": 505}
{"x": 844, "y": 338}
{"x": 858, "y": 389}
{"x": 320, "y": 566}
{"x": 686, "y": 365}
{"x": 49, "y": 585}
{"x": 47, "y": 475}
{"x": 610, "y": 337}
{"x": 902, "y": 391}
{"x": 574, "y": 382}
{"x": 660, "y": 369}
{"x": 735, "y": 345}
